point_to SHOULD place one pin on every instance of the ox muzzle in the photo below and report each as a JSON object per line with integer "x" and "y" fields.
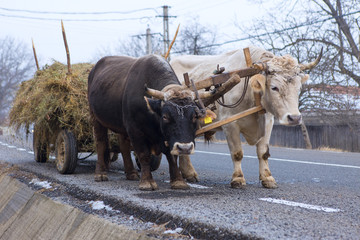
{"x": 183, "y": 148}
{"x": 291, "y": 119}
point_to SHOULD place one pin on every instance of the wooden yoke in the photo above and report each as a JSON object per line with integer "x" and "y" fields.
{"x": 251, "y": 70}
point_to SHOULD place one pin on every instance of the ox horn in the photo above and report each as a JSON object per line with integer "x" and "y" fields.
{"x": 206, "y": 94}
{"x": 155, "y": 93}
{"x": 308, "y": 66}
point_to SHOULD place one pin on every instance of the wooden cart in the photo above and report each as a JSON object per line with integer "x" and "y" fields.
{"x": 66, "y": 147}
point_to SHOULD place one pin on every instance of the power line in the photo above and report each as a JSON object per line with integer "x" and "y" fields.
{"x": 77, "y": 20}
{"x": 274, "y": 32}
{"x": 80, "y": 13}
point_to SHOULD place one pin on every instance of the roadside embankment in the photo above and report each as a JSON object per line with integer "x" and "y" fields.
{"x": 27, "y": 214}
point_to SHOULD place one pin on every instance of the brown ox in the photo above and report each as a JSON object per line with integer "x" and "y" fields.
{"x": 279, "y": 87}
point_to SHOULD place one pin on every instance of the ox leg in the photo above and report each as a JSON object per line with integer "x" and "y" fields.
{"x": 262, "y": 150}
{"x": 232, "y": 134}
{"x": 187, "y": 169}
{"x": 265, "y": 176}
{"x": 176, "y": 180}
{"x": 125, "y": 149}
{"x": 147, "y": 183}
{"x": 102, "y": 148}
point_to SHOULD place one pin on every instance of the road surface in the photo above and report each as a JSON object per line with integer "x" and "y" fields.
{"x": 318, "y": 194}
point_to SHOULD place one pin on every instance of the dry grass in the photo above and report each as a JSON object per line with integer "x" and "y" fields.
{"x": 330, "y": 149}
{"x": 52, "y": 100}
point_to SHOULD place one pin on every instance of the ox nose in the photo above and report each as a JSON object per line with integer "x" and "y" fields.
{"x": 294, "y": 119}
{"x": 184, "y": 148}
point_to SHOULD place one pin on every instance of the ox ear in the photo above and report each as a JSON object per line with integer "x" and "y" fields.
{"x": 304, "y": 78}
{"x": 209, "y": 117}
{"x": 257, "y": 83}
{"x": 153, "y": 105}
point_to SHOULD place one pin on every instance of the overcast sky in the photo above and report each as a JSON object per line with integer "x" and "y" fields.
{"x": 85, "y": 38}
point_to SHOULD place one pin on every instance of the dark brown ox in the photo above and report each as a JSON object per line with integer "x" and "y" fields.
{"x": 119, "y": 101}
{"x": 279, "y": 85}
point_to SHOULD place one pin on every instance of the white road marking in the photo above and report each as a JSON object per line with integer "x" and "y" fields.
{"x": 302, "y": 205}
{"x": 215, "y": 153}
{"x": 295, "y": 149}
{"x": 287, "y": 160}
{"x": 17, "y": 148}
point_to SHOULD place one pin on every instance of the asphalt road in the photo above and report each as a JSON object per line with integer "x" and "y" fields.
{"x": 318, "y": 194}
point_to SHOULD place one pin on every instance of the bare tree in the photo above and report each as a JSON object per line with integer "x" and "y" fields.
{"x": 16, "y": 65}
{"x": 134, "y": 46}
{"x": 302, "y": 28}
{"x": 333, "y": 25}
{"x": 195, "y": 39}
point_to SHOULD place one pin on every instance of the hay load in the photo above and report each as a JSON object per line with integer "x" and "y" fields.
{"x": 52, "y": 101}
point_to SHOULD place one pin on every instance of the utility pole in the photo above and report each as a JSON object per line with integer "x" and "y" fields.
{"x": 148, "y": 41}
{"x": 166, "y": 17}
{"x": 166, "y": 27}
{"x": 148, "y": 38}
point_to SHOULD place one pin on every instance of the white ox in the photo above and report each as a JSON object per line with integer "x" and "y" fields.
{"x": 279, "y": 87}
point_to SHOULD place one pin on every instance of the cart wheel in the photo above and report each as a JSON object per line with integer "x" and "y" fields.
{"x": 66, "y": 152}
{"x": 155, "y": 162}
{"x": 41, "y": 150}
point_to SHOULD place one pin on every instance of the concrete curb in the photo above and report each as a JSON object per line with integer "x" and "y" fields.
{"x": 26, "y": 214}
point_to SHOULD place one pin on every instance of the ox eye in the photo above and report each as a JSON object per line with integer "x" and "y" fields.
{"x": 165, "y": 118}
{"x": 275, "y": 89}
{"x": 195, "y": 117}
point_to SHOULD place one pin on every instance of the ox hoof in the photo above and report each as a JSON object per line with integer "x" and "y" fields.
{"x": 132, "y": 176}
{"x": 101, "y": 177}
{"x": 238, "y": 183}
{"x": 179, "y": 185}
{"x": 269, "y": 184}
{"x": 192, "y": 179}
{"x": 148, "y": 185}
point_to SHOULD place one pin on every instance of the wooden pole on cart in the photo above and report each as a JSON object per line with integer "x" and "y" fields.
{"x": 34, "y": 51}
{"x": 172, "y": 43}
{"x": 66, "y": 48}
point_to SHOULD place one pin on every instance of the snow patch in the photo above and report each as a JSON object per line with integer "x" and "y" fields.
{"x": 98, "y": 205}
{"x": 43, "y": 184}
{"x": 177, "y": 230}
{"x": 198, "y": 186}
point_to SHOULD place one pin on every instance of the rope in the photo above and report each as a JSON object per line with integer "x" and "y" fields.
{"x": 237, "y": 103}
{"x": 80, "y": 159}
